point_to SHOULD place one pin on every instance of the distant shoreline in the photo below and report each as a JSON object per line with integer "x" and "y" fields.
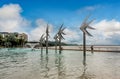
{"x": 88, "y": 48}
{"x": 96, "y": 48}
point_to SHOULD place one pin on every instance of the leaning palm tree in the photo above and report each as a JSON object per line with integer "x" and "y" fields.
{"x": 84, "y": 26}
{"x": 59, "y": 36}
{"x": 41, "y": 42}
{"x": 47, "y": 35}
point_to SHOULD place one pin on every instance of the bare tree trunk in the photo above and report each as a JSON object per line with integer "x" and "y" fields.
{"x": 84, "y": 47}
{"x": 47, "y": 44}
{"x": 41, "y": 49}
{"x": 55, "y": 46}
{"x": 60, "y": 45}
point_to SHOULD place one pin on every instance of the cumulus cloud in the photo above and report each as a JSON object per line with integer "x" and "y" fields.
{"x": 90, "y": 8}
{"x": 108, "y": 27}
{"x": 40, "y": 29}
{"x": 72, "y": 36}
{"x": 87, "y": 9}
{"x": 107, "y": 32}
{"x": 11, "y": 19}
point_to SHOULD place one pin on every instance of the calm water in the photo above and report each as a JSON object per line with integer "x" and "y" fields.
{"x": 27, "y": 64}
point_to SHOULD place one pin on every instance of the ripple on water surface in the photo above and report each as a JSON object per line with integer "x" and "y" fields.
{"x": 22, "y": 63}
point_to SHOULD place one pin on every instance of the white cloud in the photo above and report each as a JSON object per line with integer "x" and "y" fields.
{"x": 72, "y": 36}
{"x": 107, "y": 32}
{"x": 103, "y": 34}
{"x": 40, "y": 29}
{"x": 11, "y": 19}
{"x": 108, "y": 27}
{"x": 10, "y": 11}
{"x": 90, "y": 8}
{"x": 87, "y": 9}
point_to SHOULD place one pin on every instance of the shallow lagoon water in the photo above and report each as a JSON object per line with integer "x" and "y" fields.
{"x": 22, "y": 63}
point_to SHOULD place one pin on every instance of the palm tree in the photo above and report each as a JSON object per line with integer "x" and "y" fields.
{"x": 59, "y": 36}
{"x": 47, "y": 35}
{"x": 83, "y": 27}
{"x": 41, "y": 42}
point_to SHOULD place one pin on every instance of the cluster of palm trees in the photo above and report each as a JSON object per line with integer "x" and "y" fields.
{"x": 11, "y": 40}
{"x": 58, "y": 37}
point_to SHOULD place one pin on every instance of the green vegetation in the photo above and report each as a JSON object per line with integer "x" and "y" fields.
{"x": 11, "y": 40}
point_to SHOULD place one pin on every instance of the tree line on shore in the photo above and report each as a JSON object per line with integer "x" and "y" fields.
{"x": 11, "y": 40}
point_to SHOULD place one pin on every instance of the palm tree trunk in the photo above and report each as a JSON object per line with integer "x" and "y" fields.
{"x": 47, "y": 44}
{"x": 55, "y": 46}
{"x": 41, "y": 49}
{"x": 84, "y": 47}
{"x": 60, "y": 46}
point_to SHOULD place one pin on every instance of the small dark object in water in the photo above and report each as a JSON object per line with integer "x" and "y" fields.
{"x": 92, "y": 49}
{"x": 33, "y": 49}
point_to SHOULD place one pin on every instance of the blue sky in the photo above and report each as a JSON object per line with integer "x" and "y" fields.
{"x": 69, "y": 12}
{"x": 57, "y": 10}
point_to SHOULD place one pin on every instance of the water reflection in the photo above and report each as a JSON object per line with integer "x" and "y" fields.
{"x": 51, "y": 69}
{"x": 46, "y": 66}
{"x": 59, "y": 62}
{"x": 41, "y": 50}
{"x": 41, "y": 60}
{"x": 84, "y": 60}
{"x": 86, "y": 74}
{"x": 15, "y": 64}
{"x": 55, "y": 48}
{"x": 44, "y": 63}
{"x": 60, "y": 50}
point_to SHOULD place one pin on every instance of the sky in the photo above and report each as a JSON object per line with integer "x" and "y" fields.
{"x": 32, "y": 17}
